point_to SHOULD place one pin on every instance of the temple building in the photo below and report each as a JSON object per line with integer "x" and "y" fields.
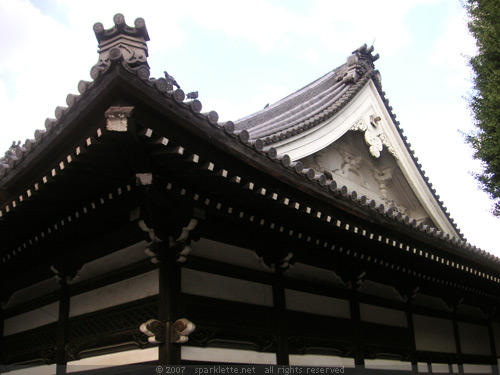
{"x": 305, "y": 234}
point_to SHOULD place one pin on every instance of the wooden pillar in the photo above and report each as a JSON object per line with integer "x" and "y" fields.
{"x": 493, "y": 346}
{"x": 280, "y": 321}
{"x": 63, "y": 328}
{"x": 169, "y": 304}
{"x": 2, "y": 317}
{"x": 411, "y": 337}
{"x": 457, "y": 342}
{"x": 359, "y": 359}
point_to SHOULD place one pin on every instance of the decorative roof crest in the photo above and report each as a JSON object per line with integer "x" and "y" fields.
{"x": 360, "y": 61}
{"x": 121, "y": 43}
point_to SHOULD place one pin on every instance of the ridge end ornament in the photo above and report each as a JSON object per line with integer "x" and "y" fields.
{"x": 121, "y": 42}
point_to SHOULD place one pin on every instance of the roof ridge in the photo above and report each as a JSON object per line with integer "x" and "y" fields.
{"x": 321, "y": 100}
{"x": 289, "y": 96}
{"x": 276, "y": 119}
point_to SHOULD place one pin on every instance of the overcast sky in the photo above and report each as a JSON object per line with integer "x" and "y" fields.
{"x": 241, "y": 55}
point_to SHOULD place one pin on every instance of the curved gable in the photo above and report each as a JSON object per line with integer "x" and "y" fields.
{"x": 374, "y": 161}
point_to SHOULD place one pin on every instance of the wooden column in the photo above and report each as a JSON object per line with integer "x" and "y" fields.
{"x": 2, "y": 312}
{"x": 62, "y": 329}
{"x": 359, "y": 359}
{"x": 493, "y": 345}
{"x": 457, "y": 342}
{"x": 280, "y": 321}
{"x": 169, "y": 303}
{"x": 411, "y": 337}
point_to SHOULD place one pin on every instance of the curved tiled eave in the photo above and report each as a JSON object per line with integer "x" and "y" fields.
{"x": 303, "y": 110}
{"x": 283, "y": 106}
{"x": 262, "y": 192}
{"x": 238, "y": 145}
{"x": 335, "y": 104}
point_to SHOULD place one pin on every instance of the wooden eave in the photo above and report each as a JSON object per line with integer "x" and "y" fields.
{"x": 321, "y": 213}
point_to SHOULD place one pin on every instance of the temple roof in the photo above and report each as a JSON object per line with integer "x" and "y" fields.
{"x": 321, "y": 100}
{"x": 314, "y": 103}
{"x": 298, "y": 112}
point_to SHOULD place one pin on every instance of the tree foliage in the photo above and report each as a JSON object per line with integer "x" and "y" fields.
{"x": 484, "y": 25}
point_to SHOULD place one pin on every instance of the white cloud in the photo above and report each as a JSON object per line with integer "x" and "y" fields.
{"x": 163, "y": 18}
{"x": 340, "y": 24}
{"x": 451, "y": 50}
{"x": 259, "y": 22}
{"x": 310, "y": 55}
{"x": 448, "y": 163}
{"x": 36, "y": 60}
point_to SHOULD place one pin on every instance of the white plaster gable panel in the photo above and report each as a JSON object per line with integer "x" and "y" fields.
{"x": 367, "y": 114}
{"x": 351, "y": 162}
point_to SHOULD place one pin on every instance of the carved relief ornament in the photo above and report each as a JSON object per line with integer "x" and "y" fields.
{"x": 374, "y": 141}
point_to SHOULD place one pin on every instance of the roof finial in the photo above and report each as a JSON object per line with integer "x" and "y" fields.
{"x": 121, "y": 42}
{"x": 360, "y": 61}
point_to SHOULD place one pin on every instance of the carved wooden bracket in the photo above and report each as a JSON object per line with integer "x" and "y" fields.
{"x": 271, "y": 258}
{"x": 351, "y": 274}
{"x": 66, "y": 272}
{"x": 407, "y": 290}
{"x": 453, "y": 301}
